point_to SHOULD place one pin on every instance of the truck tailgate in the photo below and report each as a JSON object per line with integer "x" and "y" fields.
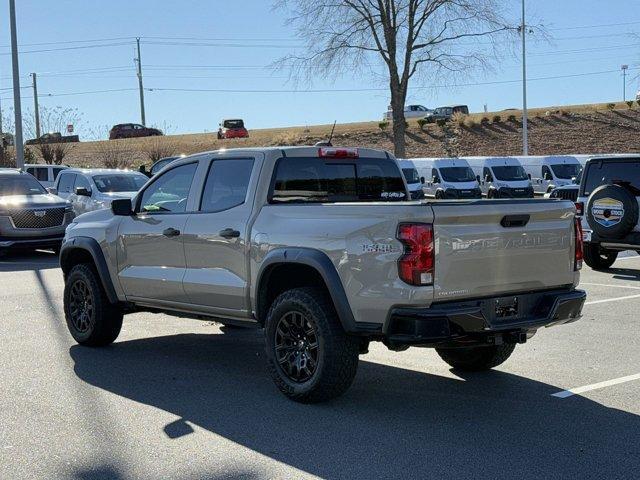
{"x": 489, "y": 248}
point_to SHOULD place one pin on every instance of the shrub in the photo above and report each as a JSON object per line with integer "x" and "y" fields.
{"x": 7, "y": 157}
{"x": 630, "y": 104}
{"x": 285, "y": 139}
{"x": 564, "y": 113}
{"x": 156, "y": 148}
{"x": 611, "y": 106}
{"x": 458, "y": 118}
{"x": 512, "y": 118}
{"x": 484, "y": 120}
{"x": 469, "y": 122}
{"x": 383, "y": 125}
{"x": 29, "y": 156}
{"x": 422, "y": 122}
{"x": 441, "y": 122}
{"x": 496, "y": 119}
{"x": 638, "y": 102}
{"x": 60, "y": 151}
{"x": 46, "y": 152}
{"x": 113, "y": 154}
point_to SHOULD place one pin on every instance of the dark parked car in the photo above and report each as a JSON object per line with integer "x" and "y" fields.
{"x": 53, "y": 137}
{"x": 445, "y": 113}
{"x": 132, "y": 130}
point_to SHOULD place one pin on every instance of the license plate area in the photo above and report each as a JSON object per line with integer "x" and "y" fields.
{"x": 505, "y": 308}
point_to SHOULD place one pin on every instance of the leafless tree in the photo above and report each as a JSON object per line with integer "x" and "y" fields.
{"x": 411, "y": 38}
{"x": 52, "y": 119}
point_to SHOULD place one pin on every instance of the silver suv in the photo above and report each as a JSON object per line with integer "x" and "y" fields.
{"x": 30, "y": 217}
{"x": 321, "y": 248}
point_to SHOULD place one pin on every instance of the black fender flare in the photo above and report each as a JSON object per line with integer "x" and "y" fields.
{"x": 322, "y": 264}
{"x": 91, "y": 246}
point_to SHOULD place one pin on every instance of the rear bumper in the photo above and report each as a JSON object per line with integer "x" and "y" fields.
{"x": 514, "y": 193}
{"x": 631, "y": 241}
{"x": 476, "y": 321}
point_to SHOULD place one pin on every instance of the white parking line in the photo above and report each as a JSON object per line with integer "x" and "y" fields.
{"x": 633, "y": 257}
{"x": 609, "y": 285}
{"x": 595, "y": 386}
{"x": 606, "y": 300}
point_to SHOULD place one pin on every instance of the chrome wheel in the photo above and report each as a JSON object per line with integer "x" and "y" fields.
{"x": 81, "y": 306}
{"x": 296, "y": 346}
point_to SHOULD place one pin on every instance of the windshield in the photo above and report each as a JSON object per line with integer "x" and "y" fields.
{"x": 20, "y": 185}
{"x": 457, "y": 174}
{"x": 120, "y": 182}
{"x": 510, "y": 173}
{"x": 233, "y": 124}
{"x": 566, "y": 171}
{"x": 411, "y": 175}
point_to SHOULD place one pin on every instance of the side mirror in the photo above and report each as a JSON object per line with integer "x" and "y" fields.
{"x": 83, "y": 192}
{"x": 122, "y": 207}
{"x": 529, "y": 175}
{"x": 547, "y": 176}
{"x": 52, "y": 190}
{"x": 478, "y": 178}
{"x": 421, "y": 179}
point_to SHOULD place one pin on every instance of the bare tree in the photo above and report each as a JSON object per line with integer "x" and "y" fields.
{"x": 53, "y": 119}
{"x": 409, "y": 37}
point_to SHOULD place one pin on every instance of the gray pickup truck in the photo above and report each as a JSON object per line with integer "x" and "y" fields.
{"x": 321, "y": 249}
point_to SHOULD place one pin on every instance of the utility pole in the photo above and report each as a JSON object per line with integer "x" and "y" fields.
{"x": 35, "y": 104}
{"x": 17, "y": 107}
{"x": 525, "y": 133}
{"x": 624, "y": 82}
{"x": 139, "y": 62}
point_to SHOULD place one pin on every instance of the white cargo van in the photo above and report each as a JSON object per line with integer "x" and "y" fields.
{"x": 448, "y": 178}
{"x": 501, "y": 177}
{"x": 547, "y": 173}
{"x": 413, "y": 179}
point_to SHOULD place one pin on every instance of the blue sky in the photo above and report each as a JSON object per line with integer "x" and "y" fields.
{"x": 241, "y": 37}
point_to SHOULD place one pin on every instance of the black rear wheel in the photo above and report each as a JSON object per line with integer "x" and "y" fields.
{"x": 311, "y": 358}
{"x": 91, "y": 319}
{"x": 599, "y": 258}
{"x": 475, "y": 359}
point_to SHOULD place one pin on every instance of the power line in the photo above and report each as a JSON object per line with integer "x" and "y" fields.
{"x": 81, "y": 47}
{"x": 602, "y": 25}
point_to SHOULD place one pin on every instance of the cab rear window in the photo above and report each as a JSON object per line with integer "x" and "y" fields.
{"x": 626, "y": 173}
{"x": 317, "y": 180}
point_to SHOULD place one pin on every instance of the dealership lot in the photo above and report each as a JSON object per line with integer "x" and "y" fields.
{"x": 177, "y": 398}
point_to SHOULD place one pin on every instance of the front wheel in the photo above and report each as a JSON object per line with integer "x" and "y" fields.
{"x": 91, "y": 319}
{"x": 311, "y": 358}
{"x": 476, "y": 359}
{"x": 597, "y": 257}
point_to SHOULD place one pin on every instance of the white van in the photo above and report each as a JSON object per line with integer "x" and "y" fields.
{"x": 413, "y": 179}
{"x": 447, "y": 178}
{"x": 547, "y": 173}
{"x": 45, "y": 174}
{"x": 501, "y": 177}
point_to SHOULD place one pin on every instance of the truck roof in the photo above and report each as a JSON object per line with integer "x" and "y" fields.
{"x": 298, "y": 151}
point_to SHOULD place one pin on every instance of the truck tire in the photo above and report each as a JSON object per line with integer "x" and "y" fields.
{"x": 310, "y": 357}
{"x": 91, "y": 319}
{"x": 597, "y": 257}
{"x": 476, "y": 359}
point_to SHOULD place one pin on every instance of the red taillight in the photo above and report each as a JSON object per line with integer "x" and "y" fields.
{"x": 579, "y": 208}
{"x": 330, "y": 152}
{"x": 415, "y": 267}
{"x": 579, "y": 255}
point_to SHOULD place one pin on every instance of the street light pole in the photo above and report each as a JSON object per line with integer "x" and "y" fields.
{"x": 139, "y": 61}
{"x": 624, "y": 82}
{"x": 525, "y": 133}
{"x": 17, "y": 107}
{"x": 36, "y": 109}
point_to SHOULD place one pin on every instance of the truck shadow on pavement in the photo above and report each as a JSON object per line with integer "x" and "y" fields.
{"x": 25, "y": 261}
{"x": 393, "y": 422}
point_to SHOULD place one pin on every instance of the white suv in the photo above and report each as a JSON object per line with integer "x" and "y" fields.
{"x": 609, "y": 202}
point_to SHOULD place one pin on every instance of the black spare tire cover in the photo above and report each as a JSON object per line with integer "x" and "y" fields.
{"x": 612, "y": 211}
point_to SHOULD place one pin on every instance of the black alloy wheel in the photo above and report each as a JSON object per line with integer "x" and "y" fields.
{"x": 296, "y": 346}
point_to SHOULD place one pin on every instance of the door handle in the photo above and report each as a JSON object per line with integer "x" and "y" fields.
{"x": 229, "y": 233}
{"x": 171, "y": 232}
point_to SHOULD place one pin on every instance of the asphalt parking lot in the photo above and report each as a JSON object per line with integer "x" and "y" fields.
{"x": 182, "y": 399}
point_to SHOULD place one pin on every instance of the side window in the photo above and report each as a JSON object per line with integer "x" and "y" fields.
{"x": 434, "y": 175}
{"x": 31, "y": 171}
{"x": 546, "y": 173}
{"x": 65, "y": 182}
{"x": 169, "y": 193}
{"x": 486, "y": 174}
{"x": 56, "y": 172}
{"x": 227, "y": 184}
{"x": 81, "y": 182}
{"x": 42, "y": 174}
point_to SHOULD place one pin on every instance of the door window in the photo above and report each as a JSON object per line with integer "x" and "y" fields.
{"x": 65, "y": 182}
{"x": 169, "y": 193}
{"x": 227, "y": 184}
{"x": 486, "y": 174}
{"x": 56, "y": 172}
{"x": 434, "y": 175}
{"x": 41, "y": 173}
{"x": 546, "y": 173}
{"x": 81, "y": 182}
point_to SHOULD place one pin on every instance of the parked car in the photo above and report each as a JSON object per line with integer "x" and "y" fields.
{"x": 232, "y": 129}
{"x": 94, "y": 189}
{"x": 30, "y": 217}
{"x": 412, "y": 178}
{"x": 318, "y": 247}
{"x": 132, "y": 130}
{"x": 445, "y": 113}
{"x": 45, "y": 174}
{"x": 53, "y": 137}
{"x": 448, "y": 178}
{"x": 608, "y": 204}
{"x": 160, "y": 164}
{"x": 410, "y": 111}
{"x": 501, "y": 177}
